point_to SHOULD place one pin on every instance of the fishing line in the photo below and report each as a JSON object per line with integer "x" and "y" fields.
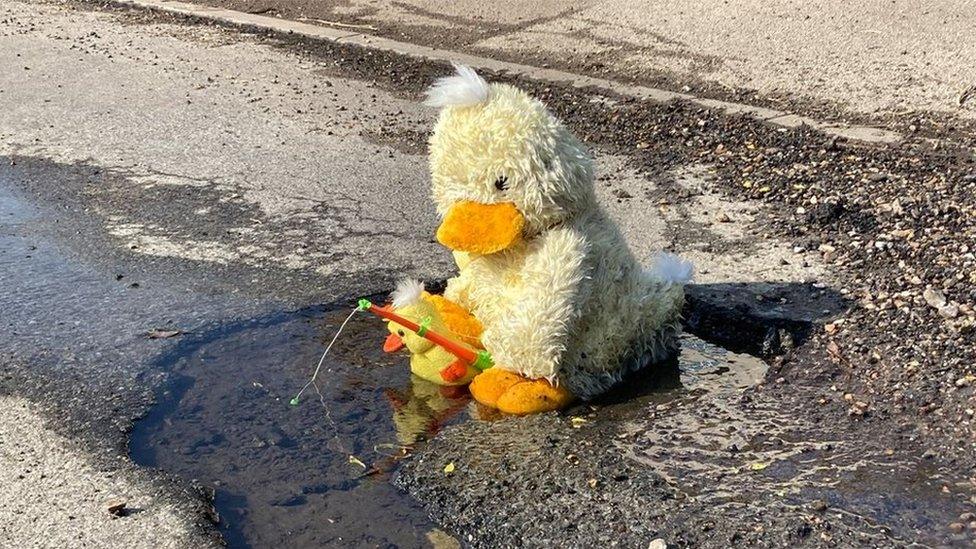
{"x": 294, "y": 401}
{"x": 332, "y": 423}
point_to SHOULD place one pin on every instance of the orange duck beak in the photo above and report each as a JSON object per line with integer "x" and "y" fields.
{"x": 481, "y": 228}
{"x": 393, "y": 343}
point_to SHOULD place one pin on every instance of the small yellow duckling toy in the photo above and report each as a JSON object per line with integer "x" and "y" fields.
{"x": 428, "y": 360}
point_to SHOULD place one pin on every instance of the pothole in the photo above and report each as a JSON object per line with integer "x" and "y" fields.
{"x": 287, "y": 475}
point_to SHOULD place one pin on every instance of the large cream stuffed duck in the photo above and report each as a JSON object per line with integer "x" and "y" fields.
{"x": 566, "y": 308}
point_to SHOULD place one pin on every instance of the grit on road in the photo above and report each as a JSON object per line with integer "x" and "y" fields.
{"x": 164, "y": 176}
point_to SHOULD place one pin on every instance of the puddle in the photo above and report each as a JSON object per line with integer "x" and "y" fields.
{"x": 691, "y": 452}
{"x": 282, "y": 474}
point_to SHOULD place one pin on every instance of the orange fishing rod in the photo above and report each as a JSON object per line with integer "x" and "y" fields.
{"x": 479, "y": 359}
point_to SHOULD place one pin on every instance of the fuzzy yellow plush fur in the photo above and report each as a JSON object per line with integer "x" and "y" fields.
{"x": 565, "y": 302}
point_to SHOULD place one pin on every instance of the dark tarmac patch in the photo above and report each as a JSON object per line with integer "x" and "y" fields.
{"x": 74, "y": 342}
{"x": 125, "y": 222}
{"x": 698, "y": 455}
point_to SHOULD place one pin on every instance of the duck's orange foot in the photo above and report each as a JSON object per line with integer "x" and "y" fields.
{"x": 534, "y": 397}
{"x": 514, "y": 394}
{"x": 489, "y": 385}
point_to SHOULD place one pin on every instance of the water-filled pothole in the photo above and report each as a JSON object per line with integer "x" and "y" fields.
{"x": 283, "y": 475}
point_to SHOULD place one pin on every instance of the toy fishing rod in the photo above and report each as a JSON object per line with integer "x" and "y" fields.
{"x": 481, "y": 359}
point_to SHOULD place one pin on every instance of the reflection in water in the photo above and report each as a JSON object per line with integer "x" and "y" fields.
{"x": 422, "y": 408}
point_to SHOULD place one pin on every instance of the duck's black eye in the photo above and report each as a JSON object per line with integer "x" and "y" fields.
{"x": 400, "y": 333}
{"x": 501, "y": 183}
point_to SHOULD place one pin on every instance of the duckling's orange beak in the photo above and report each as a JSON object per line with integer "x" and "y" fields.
{"x": 481, "y": 228}
{"x": 393, "y": 343}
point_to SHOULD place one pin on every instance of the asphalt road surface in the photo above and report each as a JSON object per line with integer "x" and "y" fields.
{"x": 170, "y": 189}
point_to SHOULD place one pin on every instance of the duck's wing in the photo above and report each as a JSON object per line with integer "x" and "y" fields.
{"x": 462, "y": 324}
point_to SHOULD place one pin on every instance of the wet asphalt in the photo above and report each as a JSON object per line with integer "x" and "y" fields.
{"x": 760, "y": 465}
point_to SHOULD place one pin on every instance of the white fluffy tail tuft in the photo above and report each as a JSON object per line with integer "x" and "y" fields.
{"x": 672, "y": 269}
{"x": 461, "y": 89}
{"x": 406, "y": 293}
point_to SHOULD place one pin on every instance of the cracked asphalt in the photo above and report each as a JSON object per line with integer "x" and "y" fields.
{"x": 156, "y": 175}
